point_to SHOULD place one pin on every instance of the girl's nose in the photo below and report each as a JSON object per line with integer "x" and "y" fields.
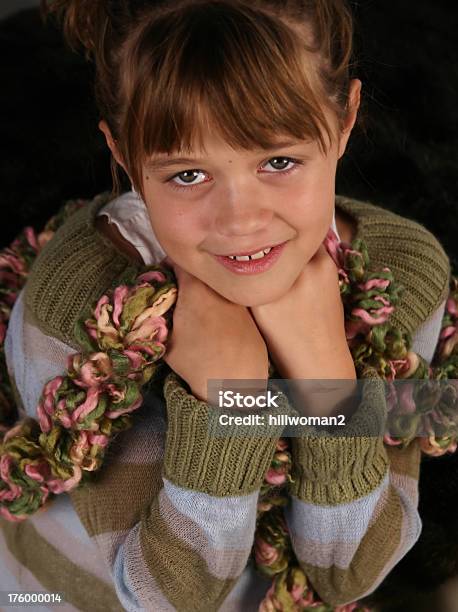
{"x": 242, "y": 215}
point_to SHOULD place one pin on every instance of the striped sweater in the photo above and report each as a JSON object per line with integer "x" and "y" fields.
{"x": 168, "y": 522}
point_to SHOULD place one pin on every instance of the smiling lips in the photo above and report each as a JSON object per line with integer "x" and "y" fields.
{"x": 253, "y": 263}
{"x": 252, "y": 251}
{"x": 256, "y": 255}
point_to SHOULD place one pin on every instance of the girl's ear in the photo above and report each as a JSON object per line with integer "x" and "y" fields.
{"x": 354, "y": 100}
{"x": 103, "y": 127}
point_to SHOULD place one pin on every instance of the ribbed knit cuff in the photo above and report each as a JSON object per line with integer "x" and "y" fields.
{"x": 196, "y": 458}
{"x": 336, "y": 469}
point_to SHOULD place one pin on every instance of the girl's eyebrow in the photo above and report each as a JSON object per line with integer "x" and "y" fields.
{"x": 165, "y": 162}
{"x": 160, "y": 163}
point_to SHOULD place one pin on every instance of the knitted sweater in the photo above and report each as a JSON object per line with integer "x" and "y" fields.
{"x": 168, "y": 522}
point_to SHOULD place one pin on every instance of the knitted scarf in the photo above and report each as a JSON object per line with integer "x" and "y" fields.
{"x": 122, "y": 343}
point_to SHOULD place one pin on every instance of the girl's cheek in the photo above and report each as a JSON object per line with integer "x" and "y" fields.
{"x": 176, "y": 230}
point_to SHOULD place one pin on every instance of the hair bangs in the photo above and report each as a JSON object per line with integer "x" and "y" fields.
{"x": 233, "y": 71}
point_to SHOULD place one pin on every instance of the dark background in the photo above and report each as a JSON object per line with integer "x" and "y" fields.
{"x": 51, "y": 150}
{"x": 12, "y": 6}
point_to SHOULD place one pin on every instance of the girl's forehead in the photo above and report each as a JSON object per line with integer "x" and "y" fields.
{"x": 223, "y": 153}
{"x": 216, "y": 145}
{"x": 209, "y": 140}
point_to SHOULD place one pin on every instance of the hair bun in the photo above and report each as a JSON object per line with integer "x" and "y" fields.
{"x": 85, "y": 23}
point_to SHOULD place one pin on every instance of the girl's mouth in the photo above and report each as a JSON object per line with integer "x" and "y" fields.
{"x": 252, "y": 264}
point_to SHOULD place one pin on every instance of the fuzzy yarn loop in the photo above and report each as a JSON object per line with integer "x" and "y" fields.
{"x": 15, "y": 263}
{"x": 122, "y": 341}
{"x": 79, "y": 412}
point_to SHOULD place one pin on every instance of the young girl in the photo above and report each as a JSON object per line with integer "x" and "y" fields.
{"x": 229, "y": 117}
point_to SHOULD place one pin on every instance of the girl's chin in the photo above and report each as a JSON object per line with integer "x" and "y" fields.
{"x": 256, "y": 297}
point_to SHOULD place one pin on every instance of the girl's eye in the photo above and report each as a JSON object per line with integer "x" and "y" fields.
{"x": 188, "y": 179}
{"x": 283, "y": 165}
{"x": 191, "y": 179}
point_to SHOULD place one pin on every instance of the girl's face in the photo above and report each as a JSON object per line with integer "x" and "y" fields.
{"x": 232, "y": 202}
{"x": 229, "y": 202}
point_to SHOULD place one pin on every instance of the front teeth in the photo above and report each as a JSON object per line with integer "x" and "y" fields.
{"x": 258, "y": 255}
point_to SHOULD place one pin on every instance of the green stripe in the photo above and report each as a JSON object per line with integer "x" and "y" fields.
{"x": 180, "y": 573}
{"x": 336, "y": 585}
{"x": 57, "y": 573}
{"x": 118, "y": 495}
{"x": 405, "y": 461}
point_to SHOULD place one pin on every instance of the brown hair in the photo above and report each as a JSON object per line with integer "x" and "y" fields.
{"x": 166, "y": 69}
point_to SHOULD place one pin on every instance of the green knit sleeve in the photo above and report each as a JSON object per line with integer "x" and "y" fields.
{"x": 79, "y": 264}
{"x": 333, "y": 469}
{"x": 414, "y": 255}
{"x": 198, "y": 457}
{"x": 354, "y": 504}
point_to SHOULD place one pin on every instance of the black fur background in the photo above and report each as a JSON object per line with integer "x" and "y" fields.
{"x": 51, "y": 150}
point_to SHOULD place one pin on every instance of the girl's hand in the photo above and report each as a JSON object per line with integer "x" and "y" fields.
{"x": 304, "y": 329}
{"x": 212, "y": 337}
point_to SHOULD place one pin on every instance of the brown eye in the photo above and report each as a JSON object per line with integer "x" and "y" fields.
{"x": 188, "y": 174}
{"x": 281, "y": 164}
{"x": 279, "y": 161}
{"x": 188, "y": 180}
